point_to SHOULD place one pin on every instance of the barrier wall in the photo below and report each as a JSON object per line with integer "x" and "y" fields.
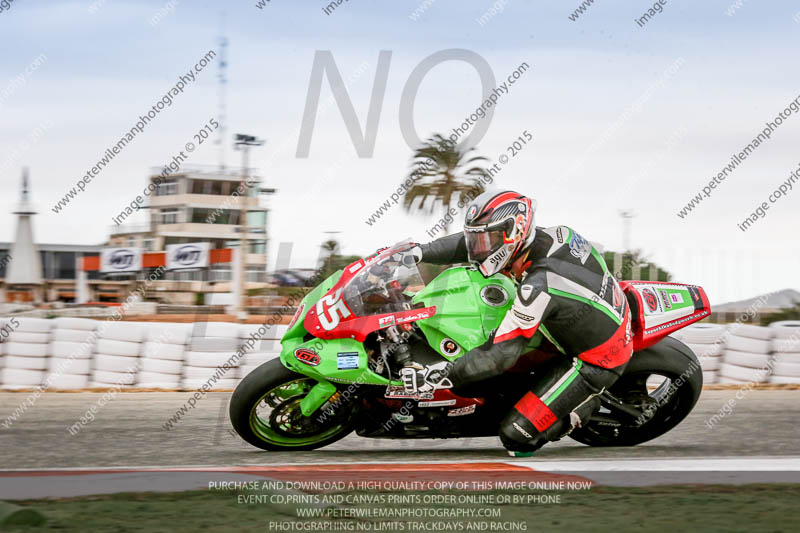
{"x": 75, "y": 353}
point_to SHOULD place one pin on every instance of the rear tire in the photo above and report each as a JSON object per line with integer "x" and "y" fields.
{"x": 272, "y": 382}
{"x": 671, "y": 359}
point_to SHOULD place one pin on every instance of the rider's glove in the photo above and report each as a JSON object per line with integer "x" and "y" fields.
{"x": 417, "y": 378}
{"x": 416, "y": 254}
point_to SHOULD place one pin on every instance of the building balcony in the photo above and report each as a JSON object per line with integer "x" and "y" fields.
{"x": 129, "y": 229}
{"x": 208, "y": 172}
{"x": 198, "y": 230}
{"x": 209, "y": 201}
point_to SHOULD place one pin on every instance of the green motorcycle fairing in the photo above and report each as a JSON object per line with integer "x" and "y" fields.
{"x": 468, "y": 308}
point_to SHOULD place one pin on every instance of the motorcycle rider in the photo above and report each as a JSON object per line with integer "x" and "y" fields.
{"x": 564, "y": 289}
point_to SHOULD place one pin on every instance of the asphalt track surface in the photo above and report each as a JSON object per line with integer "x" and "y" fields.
{"x": 128, "y": 432}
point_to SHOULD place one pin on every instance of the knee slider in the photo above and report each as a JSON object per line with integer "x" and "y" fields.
{"x": 598, "y": 378}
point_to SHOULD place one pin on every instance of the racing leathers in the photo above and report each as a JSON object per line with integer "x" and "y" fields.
{"x": 564, "y": 290}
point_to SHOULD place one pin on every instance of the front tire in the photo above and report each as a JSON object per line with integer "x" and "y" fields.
{"x": 663, "y": 409}
{"x": 265, "y": 411}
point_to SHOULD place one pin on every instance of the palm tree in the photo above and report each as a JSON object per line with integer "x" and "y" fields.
{"x": 438, "y": 168}
{"x": 331, "y": 247}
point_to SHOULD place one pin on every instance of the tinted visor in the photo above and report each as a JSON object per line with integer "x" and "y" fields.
{"x": 481, "y": 243}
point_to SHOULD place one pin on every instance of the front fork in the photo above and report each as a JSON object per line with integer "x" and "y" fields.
{"x": 316, "y": 397}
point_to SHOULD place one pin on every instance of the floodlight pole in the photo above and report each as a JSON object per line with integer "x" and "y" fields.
{"x": 244, "y": 142}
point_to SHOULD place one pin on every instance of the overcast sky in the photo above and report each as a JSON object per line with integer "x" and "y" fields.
{"x": 610, "y": 129}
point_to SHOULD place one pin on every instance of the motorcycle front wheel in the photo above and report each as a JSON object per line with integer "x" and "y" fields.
{"x": 265, "y": 411}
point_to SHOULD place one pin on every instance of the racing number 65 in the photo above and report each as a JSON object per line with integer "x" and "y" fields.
{"x": 330, "y": 309}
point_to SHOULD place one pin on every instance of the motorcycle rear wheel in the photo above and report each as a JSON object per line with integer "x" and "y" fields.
{"x": 265, "y": 411}
{"x": 680, "y": 370}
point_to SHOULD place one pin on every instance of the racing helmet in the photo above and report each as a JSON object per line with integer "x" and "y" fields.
{"x": 497, "y": 227}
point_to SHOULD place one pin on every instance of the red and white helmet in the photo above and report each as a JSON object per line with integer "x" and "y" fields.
{"x": 497, "y": 227}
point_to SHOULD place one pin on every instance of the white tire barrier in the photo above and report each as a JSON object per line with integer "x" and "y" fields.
{"x": 115, "y": 363}
{"x": 245, "y": 369}
{"x": 786, "y": 345}
{"x": 262, "y": 331}
{"x": 208, "y": 359}
{"x": 722, "y": 380}
{"x": 786, "y": 329}
{"x": 710, "y": 363}
{"x": 205, "y": 373}
{"x": 62, "y": 365}
{"x": 791, "y": 357}
{"x": 33, "y": 325}
{"x": 215, "y": 329}
{"x": 786, "y": 370}
{"x": 31, "y": 338}
{"x": 706, "y": 350}
{"x": 280, "y": 331}
{"x": 73, "y": 335}
{"x": 746, "y": 344}
{"x": 158, "y": 378}
{"x": 194, "y": 384}
{"x": 111, "y": 386}
{"x": 784, "y": 380}
{"x": 214, "y": 344}
{"x": 122, "y": 331}
{"x": 70, "y": 349}
{"x": 751, "y": 360}
{"x": 702, "y": 333}
{"x": 163, "y": 354}
{"x": 30, "y": 363}
{"x": 161, "y": 366}
{"x": 17, "y": 377}
{"x": 161, "y": 332}
{"x": 69, "y": 381}
{"x": 159, "y": 350}
{"x": 752, "y": 332}
{"x": 24, "y": 349}
{"x": 743, "y": 373}
{"x": 709, "y": 377}
{"x": 68, "y": 322}
{"x": 257, "y": 358}
{"x": 104, "y": 378}
{"x": 124, "y": 348}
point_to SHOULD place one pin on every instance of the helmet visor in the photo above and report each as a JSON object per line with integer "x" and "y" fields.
{"x": 483, "y": 242}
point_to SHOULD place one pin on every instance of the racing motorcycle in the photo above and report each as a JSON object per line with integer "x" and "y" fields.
{"x": 338, "y": 370}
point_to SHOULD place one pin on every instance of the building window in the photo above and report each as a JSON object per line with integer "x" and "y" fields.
{"x": 169, "y": 216}
{"x": 5, "y": 259}
{"x": 257, "y": 219}
{"x": 257, "y": 247}
{"x": 220, "y": 272}
{"x": 255, "y": 274}
{"x": 200, "y": 215}
{"x": 166, "y": 188}
{"x": 149, "y": 244}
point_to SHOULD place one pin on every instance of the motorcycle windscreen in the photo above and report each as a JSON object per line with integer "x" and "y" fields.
{"x": 659, "y": 309}
{"x": 378, "y": 288}
{"x": 371, "y": 294}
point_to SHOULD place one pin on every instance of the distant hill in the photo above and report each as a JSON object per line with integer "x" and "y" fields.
{"x": 785, "y": 299}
